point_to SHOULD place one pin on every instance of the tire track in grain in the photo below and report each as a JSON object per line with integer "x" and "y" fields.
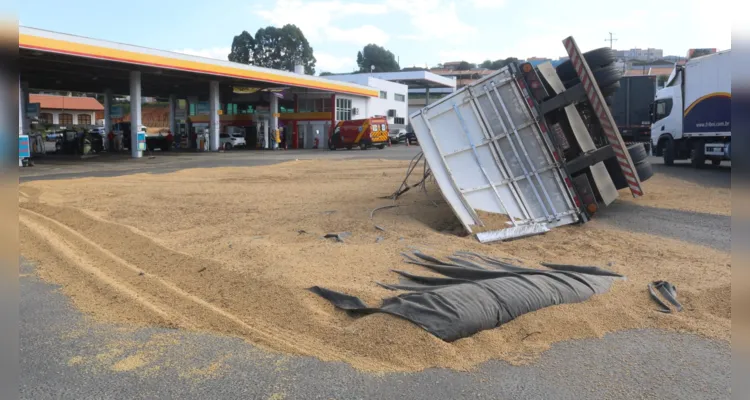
{"x": 186, "y": 310}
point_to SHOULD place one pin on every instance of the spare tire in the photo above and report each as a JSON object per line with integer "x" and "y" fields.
{"x": 610, "y": 90}
{"x": 642, "y": 168}
{"x": 595, "y": 58}
{"x": 637, "y": 152}
{"x": 605, "y": 76}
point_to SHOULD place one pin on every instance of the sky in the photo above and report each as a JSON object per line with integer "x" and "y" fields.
{"x": 419, "y": 32}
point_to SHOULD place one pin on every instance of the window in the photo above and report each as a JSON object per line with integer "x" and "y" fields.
{"x": 45, "y": 118}
{"x": 398, "y": 120}
{"x": 383, "y": 94}
{"x": 65, "y": 119}
{"x": 84, "y": 119}
{"x": 375, "y": 127}
{"x": 343, "y": 109}
{"x": 223, "y": 136}
{"x": 399, "y": 97}
{"x": 663, "y": 109}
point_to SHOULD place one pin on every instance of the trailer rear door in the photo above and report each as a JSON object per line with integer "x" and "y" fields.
{"x": 492, "y": 162}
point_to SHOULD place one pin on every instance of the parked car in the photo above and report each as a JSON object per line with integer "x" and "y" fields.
{"x": 229, "y": 141}
{"x": 396, "y": 136}
{"x": 411, "y": 137}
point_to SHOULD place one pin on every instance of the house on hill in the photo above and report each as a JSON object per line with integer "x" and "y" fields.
{"x": 66, "y": 110}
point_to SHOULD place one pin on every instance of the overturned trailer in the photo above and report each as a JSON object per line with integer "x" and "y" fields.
{"x": 527, "y": 149}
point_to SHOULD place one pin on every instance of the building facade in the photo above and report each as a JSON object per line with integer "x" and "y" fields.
{"x": 391, "y": 103}
{"x": 66, "y": 110}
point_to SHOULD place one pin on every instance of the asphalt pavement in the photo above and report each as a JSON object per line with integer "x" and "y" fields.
{"x": 65, "y": 354}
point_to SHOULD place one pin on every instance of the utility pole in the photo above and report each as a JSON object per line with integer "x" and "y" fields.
{"x": 611, "y": 40}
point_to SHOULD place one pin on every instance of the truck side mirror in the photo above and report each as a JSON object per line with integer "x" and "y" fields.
{"x": 651, "y": 112}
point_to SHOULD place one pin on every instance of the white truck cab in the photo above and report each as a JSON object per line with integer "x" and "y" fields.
{"x": 667, "y": 115}
{"x": 691, "y": 117}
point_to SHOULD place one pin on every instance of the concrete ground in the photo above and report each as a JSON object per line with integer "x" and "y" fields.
{"x": 66, "y": 355}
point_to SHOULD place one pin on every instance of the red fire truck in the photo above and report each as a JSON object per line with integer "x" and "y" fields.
{"x": 368, "y": 132}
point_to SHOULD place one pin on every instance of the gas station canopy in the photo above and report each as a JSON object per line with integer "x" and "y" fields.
{"x": 58, "y": 61}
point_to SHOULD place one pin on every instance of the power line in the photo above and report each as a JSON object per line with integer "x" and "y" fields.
{"x": 611, "y": 40}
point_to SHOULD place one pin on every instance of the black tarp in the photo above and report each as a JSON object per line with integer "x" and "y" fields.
{"x": 476, "y": 293}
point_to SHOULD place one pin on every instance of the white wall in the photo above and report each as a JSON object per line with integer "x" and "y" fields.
{"x": 378, "y": 106}
{"x": 358, "y": 102}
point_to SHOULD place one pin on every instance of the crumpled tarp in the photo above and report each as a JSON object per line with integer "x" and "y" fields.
{"x": 476, "y": 293}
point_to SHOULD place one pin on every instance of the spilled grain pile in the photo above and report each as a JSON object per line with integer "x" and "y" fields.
{"x": 231, "y": 250}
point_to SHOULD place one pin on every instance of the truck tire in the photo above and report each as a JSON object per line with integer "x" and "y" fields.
{"x": 698, "y": 154}
{"x": 363, "y": 146}
{"x": 605, "y": 77}
{"x": 637, "y": 152}
{"x": 595, "y": 58}
{"x": 643, "y": 169}
{"x": 669, "y": 151}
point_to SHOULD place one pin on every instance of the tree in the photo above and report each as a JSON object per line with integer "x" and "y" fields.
{"x": 378, "y": 57}
{"x": 662, "y": 80}
{"x": 278, "y": 48}
{"x": 465, "y": 66}
{"x": 326, "y": 73}
{"x": 282, "y": 48}
{"x": 497, "y": 64}
{"x": 243, "y": 48}
{"x": 413, "y": 69}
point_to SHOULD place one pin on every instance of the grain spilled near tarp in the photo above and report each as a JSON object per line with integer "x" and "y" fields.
{"x": 231, "y": 250}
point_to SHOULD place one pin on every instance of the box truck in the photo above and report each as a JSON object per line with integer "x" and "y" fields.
{"x": 513, "y": 154}
{"x": 691, "y": 116}
{"x": 631, "y": 106}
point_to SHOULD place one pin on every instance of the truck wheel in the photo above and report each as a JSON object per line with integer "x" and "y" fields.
{"x": 644, "y": 170}
{"x": 381, "y": 147}
{"x": 348, "y": 147}
{"x": 698, "y": 154}
{"x": 362, "y": 146}
{"x": 605, "y": 77}
{"x": 637, "y": 152}
{"x": 595, "y": 58}
{"x": 716, "y": 163}
{"x": 668, "y": 151}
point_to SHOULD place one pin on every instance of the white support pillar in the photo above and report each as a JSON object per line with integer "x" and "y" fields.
{"x": 213, "y": 125}
{"x": 107, "y": 111}
{"x": 135, "y": 112}
{"x": 274, "y": 120}
{"x": 172, "y": 106}
{"x": 266, "y": 136}
{"x": 257, "y": 134}
{"x": 25, "y": 123}
{"x": 427, "y": 96}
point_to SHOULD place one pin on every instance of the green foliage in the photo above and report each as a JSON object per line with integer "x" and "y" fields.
{"x": 243, "y": 47}
{"x": 497, "y": 64}
{"x": 277, "y": 48}
{"x": 378, "y": 57}
{"x": 465, "y": 66}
